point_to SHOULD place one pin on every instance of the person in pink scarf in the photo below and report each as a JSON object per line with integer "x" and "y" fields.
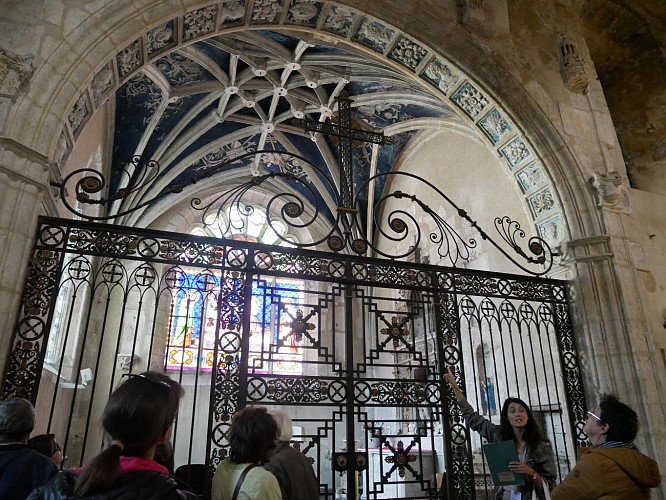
{"x": 137, "y": 418}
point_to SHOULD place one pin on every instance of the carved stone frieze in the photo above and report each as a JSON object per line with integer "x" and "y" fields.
{"x": 531, "y": 177}
{"x": 515, "y": 152}
{"x": 15, "y": 73}
{"x": 129, "y": 58}
{"x": 441, "y": 75}
{"x": 572, "y": 68}
{"x": 495, "y": 125}
{"x": 408, "y": 53}
{"x": 80, "y": 112}
{"x": 331, "y": 24}
{"x": 102, "y": 83}
{"x": 161, "y": 37}
{"x": 62, "y": 147}
{"x": 374, "y": 34}
{"x": 339, "y": 19}
{"x": 610, "y": 191}
{"x": 542, "y": 203}
{"x": 303, "y": 11}
{"x": 471, "y": 100}
{"x": 199, "y": 22}
{"x": 266, "y": 11}
{"x": 552, "y": 231}
{"x": 232, "y": 10}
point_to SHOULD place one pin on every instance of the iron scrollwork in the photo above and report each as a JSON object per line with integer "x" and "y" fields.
{"x": 299, "y": 206}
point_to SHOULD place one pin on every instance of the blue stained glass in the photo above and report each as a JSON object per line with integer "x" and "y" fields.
{"x": 274, "y": 307}
{"x": 195, "y": 287}
{"x": 489, "y": 394}
{"x": 264, "y": 296}
{"x": 192, "y": 288}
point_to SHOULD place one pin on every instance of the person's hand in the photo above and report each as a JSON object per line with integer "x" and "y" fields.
{"x": 449, "y": 376}
{"x": 451, "y": 379}
{"x": 526, "y": 470}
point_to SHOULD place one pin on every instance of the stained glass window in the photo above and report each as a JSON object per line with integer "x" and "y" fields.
{"x": 275, "y": 336}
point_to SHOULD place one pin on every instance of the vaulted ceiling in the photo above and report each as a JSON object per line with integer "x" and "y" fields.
{"x": 201, "y": 92}
{"x": 198, "y": 107}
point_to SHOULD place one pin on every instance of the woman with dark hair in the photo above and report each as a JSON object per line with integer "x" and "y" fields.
{"x": 138, "y": 416}
{"x": 536, "y": 460}
{"x": 47, "y": 445}
{"x": 251, "y": 437}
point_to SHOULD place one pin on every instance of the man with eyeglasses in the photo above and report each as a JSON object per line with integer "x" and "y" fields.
{"x": 612, "y": 467}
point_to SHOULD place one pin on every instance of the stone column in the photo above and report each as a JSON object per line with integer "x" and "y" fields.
{"x": 24, "y": 177}
{"x": 618, "y": 354}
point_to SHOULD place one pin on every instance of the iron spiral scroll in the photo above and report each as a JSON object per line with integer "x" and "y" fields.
{"x": 299, "y": 209}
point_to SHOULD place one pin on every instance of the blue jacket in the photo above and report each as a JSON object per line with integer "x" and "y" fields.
{"x": 23, "y": 469}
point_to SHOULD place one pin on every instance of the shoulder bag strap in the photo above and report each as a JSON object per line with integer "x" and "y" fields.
{"x": 241, "y": 479}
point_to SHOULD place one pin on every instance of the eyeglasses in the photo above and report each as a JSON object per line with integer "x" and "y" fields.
{"x": 596, "y": 416}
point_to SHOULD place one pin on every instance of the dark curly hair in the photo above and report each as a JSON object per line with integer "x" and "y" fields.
{"x": 252, "y": 435}
{"x": 532, "y": 433}
{"x": 621, "y": 419}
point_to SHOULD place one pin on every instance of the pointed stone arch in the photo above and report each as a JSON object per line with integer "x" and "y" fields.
{"x": 527, "y": 156}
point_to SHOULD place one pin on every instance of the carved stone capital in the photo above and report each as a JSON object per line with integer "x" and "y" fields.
{"x": 15, "y": 73}
{"x": 125, "y": 361}
{"x": 610, "y": 191}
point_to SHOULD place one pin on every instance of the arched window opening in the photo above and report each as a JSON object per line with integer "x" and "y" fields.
{"x": 245, "y": 223}
{"x": 484, "y": 359}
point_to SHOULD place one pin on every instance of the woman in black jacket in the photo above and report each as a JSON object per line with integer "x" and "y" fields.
{"x": 138, "y": 416}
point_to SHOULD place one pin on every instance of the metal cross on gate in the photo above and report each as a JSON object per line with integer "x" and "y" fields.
{"x": 346, "y": 134}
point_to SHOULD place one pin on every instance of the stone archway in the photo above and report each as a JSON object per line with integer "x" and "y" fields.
{"x": 598, "y": 263}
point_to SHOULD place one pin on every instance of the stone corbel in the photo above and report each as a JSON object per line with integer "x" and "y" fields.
{"x": 15, "y": 73}
{"x": 125, "y": 361}
{"x": 611, "y": 192}
{"x": 572, "y": 68}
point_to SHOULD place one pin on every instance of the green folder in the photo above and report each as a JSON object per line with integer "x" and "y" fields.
{"x": 498, "y": 455}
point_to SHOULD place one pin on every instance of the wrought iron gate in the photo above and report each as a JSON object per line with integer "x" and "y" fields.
{"x": 352, "y": 348}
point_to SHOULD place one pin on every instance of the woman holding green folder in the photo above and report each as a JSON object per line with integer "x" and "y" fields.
{"x": 535, "y": 455}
